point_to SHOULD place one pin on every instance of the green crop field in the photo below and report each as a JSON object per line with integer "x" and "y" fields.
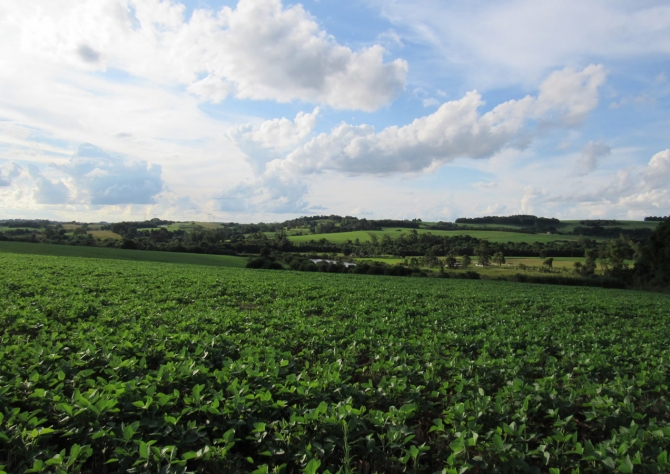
{"x": 111, "y": 366}
{"x": 121, "y": 254}
{"x": 492, "y": 235}
{"x": 105, "y": 234}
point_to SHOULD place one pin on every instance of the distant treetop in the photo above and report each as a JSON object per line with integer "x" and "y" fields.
{"x": 599, "y": 222}
{"x": 522, "y": 220}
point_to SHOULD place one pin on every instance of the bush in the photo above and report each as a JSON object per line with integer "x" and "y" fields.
{"x": 265, "y": 263}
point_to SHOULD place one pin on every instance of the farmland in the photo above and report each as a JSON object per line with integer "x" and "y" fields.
{"x": 490, "y": 235}
{"x": 122, "y": 366}
{"x": 121, "y": 254}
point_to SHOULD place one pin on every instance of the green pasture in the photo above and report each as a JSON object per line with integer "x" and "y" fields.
{"x": 105, "y": 234}
{"x": 121, "y": 254}
{"x": 560, "y": 265}
{"x": 386, "y": 260}
{"x": 569, "y": 225}
{"x": 491, "y": 236}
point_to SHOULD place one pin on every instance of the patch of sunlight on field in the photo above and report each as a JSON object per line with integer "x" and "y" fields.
{"x": 105, "y": 234}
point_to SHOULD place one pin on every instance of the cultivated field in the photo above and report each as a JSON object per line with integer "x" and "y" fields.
{"x": 104, "y": 234}
{"x": 118, "y": 366}
{"x": 121, "y": 254}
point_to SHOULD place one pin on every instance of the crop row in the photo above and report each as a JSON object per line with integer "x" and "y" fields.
{"x": 110, "y": 366}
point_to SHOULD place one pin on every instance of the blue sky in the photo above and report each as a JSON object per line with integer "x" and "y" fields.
{"x": 264, "y": 110}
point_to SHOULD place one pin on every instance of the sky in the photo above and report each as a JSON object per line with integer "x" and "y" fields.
{"x": 264, "y": 110}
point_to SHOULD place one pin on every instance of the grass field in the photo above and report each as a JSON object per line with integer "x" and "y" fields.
{"x": 122, "y": 254}
{"x": 533, "y": 265}
{"x": 105, "y": 234}
{"x": 571, "y": 224}
{"x": 491, "y": 236}
{"x": 111, "y": 366}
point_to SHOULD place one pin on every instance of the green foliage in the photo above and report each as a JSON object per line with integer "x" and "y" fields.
{"x": 653, "y": 266}
{"x": 110, "y": 366}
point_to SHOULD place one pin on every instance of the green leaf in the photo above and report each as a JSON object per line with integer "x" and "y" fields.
{"x": 144, "y": 450}
{"x": 626, "y": 467}
{"x": 312, "y": 466}
{"x": 414, "y": 451}
{"x": 189, "y": 455}
{"x": 458, "y": 445}
{"x": 554, "y": 470}
{"x": 609, "y": 462}
{"x": 39, "y": 393}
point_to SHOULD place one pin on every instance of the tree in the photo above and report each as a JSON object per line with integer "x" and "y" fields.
{"x": 589, "y": 266}
{"x": 549, "y": 263}
{"x": 618, "y": 251}
{"x": 653, "y": 266}
{"x": 483, "y": 253}
{"x": 499, "y": 258}
{"x": 466, "y": 261}
{"x": 450, "y": 261}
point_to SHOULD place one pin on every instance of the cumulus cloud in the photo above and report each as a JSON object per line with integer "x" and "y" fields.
{"x": 657, "y": 173}
{"x": 103, "y": 179}
{"x": 278, "y": 134}
{"x": 646, "y": 189}
{"x": 455, "y": 130}
{"x": 265, "y": 142}
{"x": 567, "y": 96}
{"x": 590, "y": 156}
{"x": 8, "y": 172}
{"x": 266, "y": 193}
{"x": 259, "y": 49}
{"x": 51, "y": 192}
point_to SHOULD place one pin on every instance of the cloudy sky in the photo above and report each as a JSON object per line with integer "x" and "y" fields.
{"x": 264, "y": 110}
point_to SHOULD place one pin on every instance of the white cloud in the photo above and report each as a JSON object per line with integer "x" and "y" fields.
{"x": 9, "y": 171}
{"x": 279, "y": 134}
{"x": 657, "y": 173}
{"x": 455, "y": 130}
{"x": 264, "y": 142}
{"x": 485, "y": 185}
{"x": 567, "y": 96}
{"x": 51, "y": 192}
{"x": 590, "y": 156}
{"x": 510, "y": 41}
{"x": 90, "y": 177}
{"x": 267, "y": 193}
{"x": 637, "y": 192}
{"x": 104, "y": 179}
{"x": 258, "y": 50}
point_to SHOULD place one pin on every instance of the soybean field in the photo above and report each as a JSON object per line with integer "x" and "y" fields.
{"x": 110, "y": 366}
